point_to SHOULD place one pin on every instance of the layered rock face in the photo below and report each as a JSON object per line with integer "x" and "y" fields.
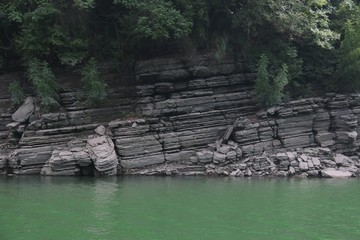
{"x": 5, "y": 103}
{"x": 303, "y": 137}
{"x": 193, "y": 116}
{"x": 35, "y": 137}
{"x": 186, "y": 104}
{"x": 94, "y": 156}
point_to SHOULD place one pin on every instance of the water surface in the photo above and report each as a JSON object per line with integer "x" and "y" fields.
{"x": 156, "y": 208}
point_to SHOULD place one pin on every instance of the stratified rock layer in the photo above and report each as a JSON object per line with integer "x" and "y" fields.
{"x": 102, "y": 153}
{"x": 192, "y": 116}
{"x": 24, "y": 112}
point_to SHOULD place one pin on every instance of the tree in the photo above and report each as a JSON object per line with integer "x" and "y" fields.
{"x": 262, "y": 85}
{"x": 269, "y": 90}
{"x": 44, "y": 82}
{"x": 348, "y": 73}
{"x": 156, "y": 19}
{"x": 300, "y": 33}
{"x": 93, "y": 85}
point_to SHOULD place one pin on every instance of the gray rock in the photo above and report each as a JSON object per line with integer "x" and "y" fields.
{"x": 13, "y": 125}
{"x": 281, "y": 156}
{"x": 235, "y": 173}
{"x": 101, "y": 130}
{"x": 142, "y": 161}
{"x": 231, "y": 156}
{"x": 310, "y": 164}
{"x": 224, "y": 149}
{"x": 219, "y": 157}
{"x": 291, "y": 155}
{"x": 332, "y": 173}
{"x": 316, "y": 161}
{"x": 62, "y": 162}
{"x": 172, "y": 157}
{"x": 341, "y": 159}
{"x": 205, "y": 156}
{"x": 194, "y": 159}
{"x": 292, "y": 170}
{"x": 313, "y": 173}
{"x": 102, "y": 152}
{"x": 325, "y": 139}
{"x": 239, "y": 153}
{"x": 3, "y": 160}
{"x": 24, "y": 112}
{"x": 186, "y": 155}
{"x": 304, "y": 157}
{"x": 303, "y": 166}
{"x": 248, "y": 173}
{"x": 328, "y": 163}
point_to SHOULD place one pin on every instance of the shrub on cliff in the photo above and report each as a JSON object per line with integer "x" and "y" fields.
{"x": 93, "y": 85}
{"x": 16, "y": 92}
{"x": 44, "y": 82}
{"x": 348, "y": 73}
{"x": 262, "y": 85}
{"x": 269, "y": 89}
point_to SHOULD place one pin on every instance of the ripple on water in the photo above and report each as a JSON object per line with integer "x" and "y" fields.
{"x": 178, "y": 208}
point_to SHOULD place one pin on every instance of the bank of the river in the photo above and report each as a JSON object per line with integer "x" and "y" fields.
{"x": 191, "y": 115}
{"x": 184, "y": 208}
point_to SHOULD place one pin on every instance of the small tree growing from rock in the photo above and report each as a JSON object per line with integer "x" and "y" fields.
{"x": 269, "y": 89}
{"x": 93, "y": 85}
{"x": 348, "y": 73}
{"x": 16, "y": 92}
{"x": 44, "y": 82}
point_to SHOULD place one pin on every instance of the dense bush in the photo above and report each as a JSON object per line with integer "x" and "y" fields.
{"x": 269, "y": 88}
{"x": 310, "y": 37}
{"x": 348, "y": 74}
{"x": 44, "y": 82}
{"x": 16, "y": 92}
{"x": 94, "y": 87}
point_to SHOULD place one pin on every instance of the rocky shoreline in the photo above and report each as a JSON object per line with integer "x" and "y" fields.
{"x": 191, "y": 116}
{"x": 314, "y": 162}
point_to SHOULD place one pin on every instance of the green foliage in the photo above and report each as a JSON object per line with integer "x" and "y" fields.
{"x": 318, "y": 68}
{"x": 269, "y": 90}
{"x": 262, "y": 85}
{"x": 16, "y": 92}
{"x": 220, "y": 47}
{"x": 294, "y": 20}
{"x": 84, "y": 4}
{"x": 280, "y": 81}
{"x": 73, "y": 51}
{"x": 93, "y": 85}
{"x": 303, "y": 34}
{"x": 44, "y": 82}
{"x": 2, "y": 60}
{"x": 38, "y": 34}
{"x": 348, "y": 74}
{"x": 157, "y": 19}
{"x": 47, "y": 29}
{"x": 196, "y": 12}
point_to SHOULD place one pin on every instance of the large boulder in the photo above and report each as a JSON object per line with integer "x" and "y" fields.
{"x": 102, "y": 153}
{"x": 333, "y": 173}
{"x": 62, "y": 162}
{"x": 24, "y": 112}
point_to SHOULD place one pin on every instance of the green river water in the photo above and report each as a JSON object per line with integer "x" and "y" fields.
{"x": 167, "y": 208}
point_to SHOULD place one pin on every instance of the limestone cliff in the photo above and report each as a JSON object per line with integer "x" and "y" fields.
{"x": 192, "y": 115}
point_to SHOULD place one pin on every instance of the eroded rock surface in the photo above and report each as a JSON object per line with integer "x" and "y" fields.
{"x": 94, "y": 156}
{"x": 24, "y": 112}
{"x": 193, "y": 116}
{"x": 102, "y": 153}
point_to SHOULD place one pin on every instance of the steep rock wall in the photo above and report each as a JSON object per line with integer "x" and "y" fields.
{"x": 193, "y": 115}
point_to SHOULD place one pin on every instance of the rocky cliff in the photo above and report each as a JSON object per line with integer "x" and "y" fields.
{"x": 191, "y": 116}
